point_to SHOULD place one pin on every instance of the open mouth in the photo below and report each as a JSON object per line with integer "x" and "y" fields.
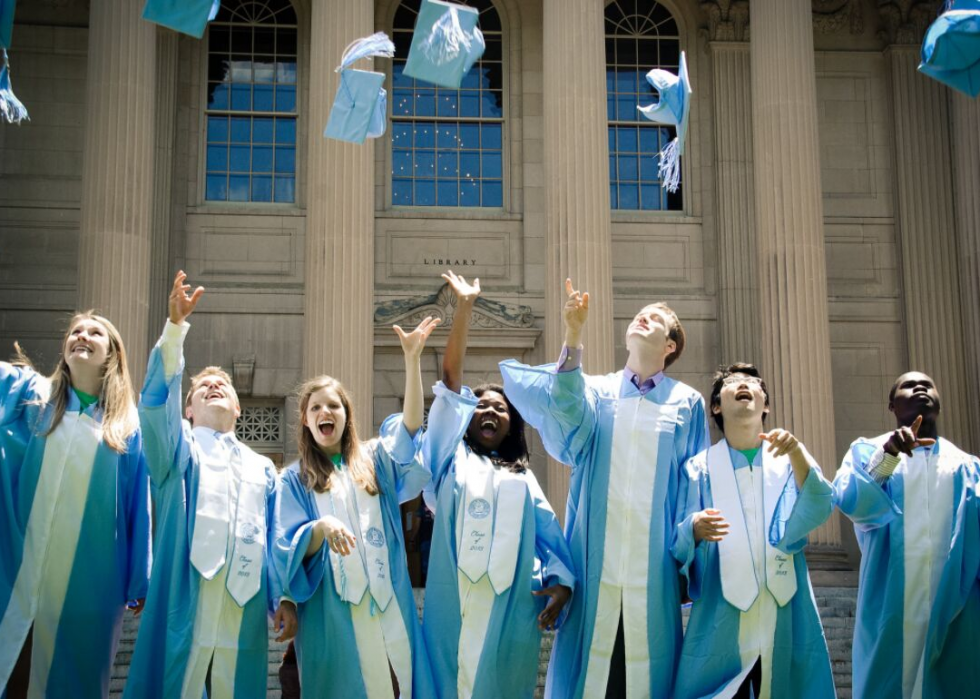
{"x": 743, "y": 396}
{"x": 214, "y": 395}
{"x": 326, "y": 428}
{"x": 488, "y": 428}
{"x": 81, "y": 347}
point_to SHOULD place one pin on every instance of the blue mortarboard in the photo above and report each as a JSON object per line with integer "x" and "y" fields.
{"x": 11, "y": 108}
{"x": 672, "y": 109}
{"x": 360, "y": 107}
{"x": 184, "y": 16}
{"x": 446, "y": 43}
{"x": 951, "y": 48}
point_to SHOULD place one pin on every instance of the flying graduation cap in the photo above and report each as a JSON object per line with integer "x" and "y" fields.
{"x": 360, "y": 107}
{"x": 671, "y": 109}
{"x": 446, "y": 43}
{"x": 951, "y": 48}
{"x": 184, "y": 16}
{"x": 11, "y": 108}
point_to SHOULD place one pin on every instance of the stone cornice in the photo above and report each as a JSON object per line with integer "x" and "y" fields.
{"x": 487, "y": 314}
{"x": 727, "y": 20}
{"x": 832, "y": 16}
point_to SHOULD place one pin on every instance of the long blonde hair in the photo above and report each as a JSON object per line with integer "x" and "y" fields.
{"x": 119, "y": 419}
{"x": 315, "y": 468}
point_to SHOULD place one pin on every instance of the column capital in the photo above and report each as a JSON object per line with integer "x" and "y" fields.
{"x": 726, "y": 20}
{"x": 905, "y": 21}
{"x": 832, "y": 16}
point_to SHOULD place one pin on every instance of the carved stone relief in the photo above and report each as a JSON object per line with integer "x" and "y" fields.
{"x": 487, "y": 314}
{"x": 832, "y": 16}
{"x": 728, "y": 20}
{"x": 906, "y": 21}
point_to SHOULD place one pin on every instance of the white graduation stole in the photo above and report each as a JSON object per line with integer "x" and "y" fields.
{"x": 490, "y": 496}
{"x": 738, "y": 581}
{"x": 367, "y": 566}
{"x": 245, "y": 574}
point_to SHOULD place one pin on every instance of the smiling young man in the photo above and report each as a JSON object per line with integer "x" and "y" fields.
{"x": 626, "y": 437}
{"x": 212, "y": 583}
{"x": 748, "y": 504}
{"x": 913, "y": 497}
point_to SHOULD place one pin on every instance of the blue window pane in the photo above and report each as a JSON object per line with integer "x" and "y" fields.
{"x": 261, "y": 161}
{"x": 238, "y": 188}
{"x": 264, "y": 71}
{"x": 648, "y": 168}
{"x": 473, "y": 78}
{"x": 285, "y": 189}
{"x": 217, "y": 129}
{"x": 627, "y": 140}
{"x": 217, "y": 188}
{"x": 446, "y": 103}
{"x": 241, "y": 97}
{"x": 628, "y": 169}
{"x": 469, "y": 103}
{"x": 262, "y": 98}
{"x": 425, "y": 134}
{"x": 493, "y": 193}
{"x": 401, "y": 163}
{"x": 469, "y": 193}
{"x": 425, "y": 192}
{"x": 648, "y": 140}
{"x": 628, "y": 197}
{"x": 241, "y": 130}
{"x": 401, "y": 192}
{"x": 493, "y": 104}
{"x": 286, "y": 160}
{"x": 448, "y": 136}
{"x": 217, "y": 158}
{"x": 261, "y": 189}
{"x": 448, "y": 166}
{"x": 217, "y": 96}
{"x": 286, "y": 72}
{"x": 611, "y": 108}
{"x": 612, "y": 168}
{"x": 613, "y": 199}
{"x": 402, "y": 103}
{"x": 469, "y": 136}
{"x": 425, "y": 103}
{"x": 650, "y": 197}
{"x": 285, "y": 98}
{"x": 626, "y": 80}
{"x": 285, "y": 131}
{"x": 239, "y": 158}
{"x": 447, "y": 193}
{"x": 261, "y": 130}
{"x": 491, "y": 137}
{"x": 398, "y": 77}
{"x": 401, "y": 135}
{"x": 610, "y": 80}
{"x": 493, "y": 165}
{"x": 612, "y": 139}
{"x": 241, "y": 69}
{"x": 469, "y": 165}
{"x": 627, "y": 108}
{"x": 425, "y": 163}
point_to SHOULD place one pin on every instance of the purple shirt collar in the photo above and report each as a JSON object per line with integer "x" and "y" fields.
{"x": 645, "y": 387}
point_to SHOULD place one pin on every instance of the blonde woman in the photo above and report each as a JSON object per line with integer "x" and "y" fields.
{"x": 75, "y": 517}
{"x": 339, "y": 550}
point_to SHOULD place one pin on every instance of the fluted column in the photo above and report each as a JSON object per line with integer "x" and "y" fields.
{"x": 117, "y": 171}
{"x": 795, "y": 334}
{"x": 339, "y": 300}
{"x": 966, "y": 185}
{"x": 738, "y": 283}
{"x": 576, "y": 164}
{"x": 930, "y": 268}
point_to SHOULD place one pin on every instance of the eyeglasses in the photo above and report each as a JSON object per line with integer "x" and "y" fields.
{"x": 747, "y": 380}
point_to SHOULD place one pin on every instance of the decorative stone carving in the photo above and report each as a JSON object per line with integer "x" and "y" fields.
{"x": 832, "y": 16}
{"x": 728, "y": 20}
{"x": 906, "y": 21}
{"x": 487, "y": 314}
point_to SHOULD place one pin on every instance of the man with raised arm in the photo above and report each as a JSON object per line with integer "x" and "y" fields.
{"x": 212, "y": 585}
{"x": 626, "y": 437}
{"x": 913, "y": 497}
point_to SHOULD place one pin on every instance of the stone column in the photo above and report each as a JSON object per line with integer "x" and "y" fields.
{"x": 738, "y": 285}
{"x": 576, "y": 166}
{"x": 966, "y": 169}
{"x": 924, "y": 205}
{"x": 795, "y": 334}
{"x": 339, "y": 271}
{"x": 117, "y": 172}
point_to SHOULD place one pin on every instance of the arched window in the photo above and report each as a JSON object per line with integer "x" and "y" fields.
{"x": 251, "y": 103}
{"x": 640, "y": 35}
{"x": 447, "y": 145}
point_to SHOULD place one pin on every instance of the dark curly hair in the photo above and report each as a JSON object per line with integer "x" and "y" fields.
{"x": 719, "y": 380}
{"x": 512, "y": 453}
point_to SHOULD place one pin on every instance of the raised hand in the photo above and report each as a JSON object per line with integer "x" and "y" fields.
{"x": 781, "y": 442}
{"x": 709, "y": 525}
{"x": 559, "y": 594}
{"x": 466, "y": 293}
{"x": 338, "y": 537}
{"x": 905, "y": 439}
{"x": 414, "y": 342}
{"x": 181, "y": 303}
{"x": 285, "y": 621}
{"x": 575, "y": 313}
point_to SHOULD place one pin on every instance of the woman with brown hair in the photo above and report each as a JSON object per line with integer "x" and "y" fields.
{"x": 339, "y": 549}
{"x": 75, "y": 516}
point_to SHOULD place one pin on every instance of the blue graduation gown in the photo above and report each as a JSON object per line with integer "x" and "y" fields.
{"x": 72, "y": 584}
{"x": 329, "y": 664}
{"x": 576, "y": 416}
{"x": 710, "y": 655}
{"x": 508, "y": 665}
{"x": 953, "y": 634}
{"x": 164, "y": 642}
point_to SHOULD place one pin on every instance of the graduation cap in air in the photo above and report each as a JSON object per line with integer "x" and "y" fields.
{"x": 446, "y": 43}
{"x": 951, "y": 48}
{"x": 360, "y": 107}
{"x": 671, "y": 109}
{"x": 11, "y": 108}
{"x": 184, "y": 16}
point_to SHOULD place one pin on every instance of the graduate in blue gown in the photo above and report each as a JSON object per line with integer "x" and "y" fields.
{"x": 340, "y": 550}
{"x": 914, "y": 499}
{"x": 212, "y": 586}
{"x": 750, "y": 502}
{"x": 626, "y": 437}
{"x": 74, "y": 515}
{"x": 498, "y": 553}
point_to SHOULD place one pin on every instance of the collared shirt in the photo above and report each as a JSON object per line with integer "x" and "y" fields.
{"x": 571, "y": 359}
{"x": 740, "y": 459}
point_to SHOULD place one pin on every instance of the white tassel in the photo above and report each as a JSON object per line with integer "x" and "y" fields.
{"x": 670, "y": 166}
{"x": 446, "y": 40}
{"x": 11, "y": 108}
{"x": 375, "y": 45}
